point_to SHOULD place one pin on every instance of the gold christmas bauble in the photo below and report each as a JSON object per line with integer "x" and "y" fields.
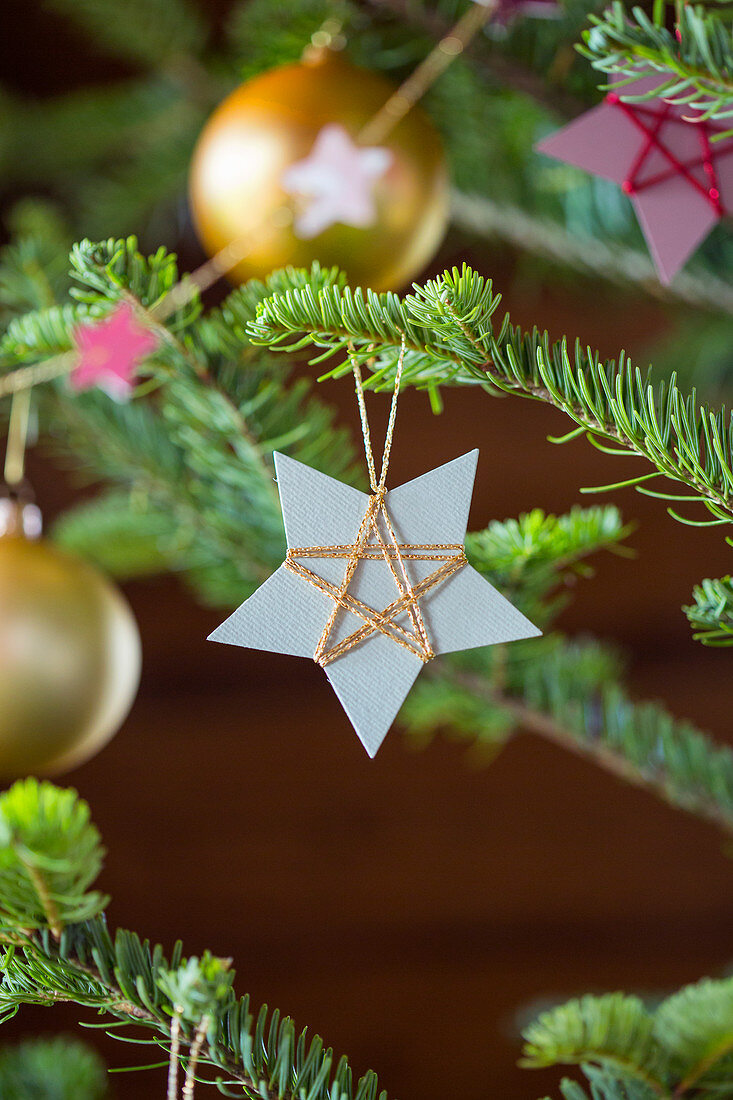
{"x": 69, "y": 658}
{"x": 271, "y": 123}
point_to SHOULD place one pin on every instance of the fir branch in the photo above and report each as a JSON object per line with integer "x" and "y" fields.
{"x": 50, "y": 854}
{"x": 450, "y": 337}
{"x": 199, "y": 501}
{"x": 133, "y": 449}
{"x": 711, "y": 615}
{"x": 615, "y": 1030}
{"x": 529, "y": 558}
{"x": 626, "y": 1051}
{"x": 606, "y": 1084}
{"x": 33, "y": 266}
{"x": 122, "y": 534}
{"x": 681, "y": 1048}
{"x": 262, "y": 36}
{"x": 266, "y": 1057}
{"x": 568, "y": 693}
{"x": 697, "y": 63}
{"x": 696, "y": 1026}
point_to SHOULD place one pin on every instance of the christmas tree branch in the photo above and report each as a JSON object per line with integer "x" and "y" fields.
{"x": 193, "y": 460}
{"x": 566, "y": 691}
{"x": 451, "y": 338}
{"x": 215, "y": 485}
{"x": 266, "y": 1057}
{"x": 711, "y": 614}
{"x": 679, "y": 1047}
{"x": 696, "y": 62}
{"x": 638, "y": 743}
{"x": 188, "y": 1007}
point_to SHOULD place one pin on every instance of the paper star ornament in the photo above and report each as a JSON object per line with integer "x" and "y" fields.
{"x": 335, "y": 183}
{"x": 374, "y": 586}
{"x": 110, "y": 352}
{"x": 679, "y": 179}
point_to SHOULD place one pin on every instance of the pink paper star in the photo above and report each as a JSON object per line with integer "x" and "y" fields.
{"x": 110, "y": 352}
{"x": 678, "y": 177}
{"x": 335, "y": 183}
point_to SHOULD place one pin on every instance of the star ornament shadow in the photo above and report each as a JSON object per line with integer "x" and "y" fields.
{"x": 675, "y": 168}
{"x": 373, "y": 587}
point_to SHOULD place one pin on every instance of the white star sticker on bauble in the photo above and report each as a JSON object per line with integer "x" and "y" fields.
{"x": 335, "y": 183}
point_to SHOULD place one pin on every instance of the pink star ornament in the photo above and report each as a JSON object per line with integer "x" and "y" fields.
{"x": 679, "y": 179}
{"x": 335, "y": 183}
{"x": 110, "y": 352}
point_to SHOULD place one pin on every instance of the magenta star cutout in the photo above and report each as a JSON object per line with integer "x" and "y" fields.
{"x": 110, "y": 352}
{"x": 335, "y": 183}
{"x": 677, "y": 175}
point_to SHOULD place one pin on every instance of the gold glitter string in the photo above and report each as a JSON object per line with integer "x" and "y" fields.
{"x": 449, "y": 558}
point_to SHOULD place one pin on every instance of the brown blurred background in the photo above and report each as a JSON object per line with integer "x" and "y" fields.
{"x": 409, "y": 908}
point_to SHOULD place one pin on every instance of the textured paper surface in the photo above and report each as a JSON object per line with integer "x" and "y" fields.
{"x": 674, "y": 216}
{"x": 287, "y": 615}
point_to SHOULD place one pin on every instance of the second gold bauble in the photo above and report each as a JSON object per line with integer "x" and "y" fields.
{"x": 69, "y": 659}
{"x": 272, "y": 122}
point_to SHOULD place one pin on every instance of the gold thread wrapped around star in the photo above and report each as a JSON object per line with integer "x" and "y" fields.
{"x": 451, "y": 556}
{"x": 394, "y": 553}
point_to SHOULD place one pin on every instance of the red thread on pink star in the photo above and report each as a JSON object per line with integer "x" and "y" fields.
{"x": 110, "y": 352}
{"x": 652, "y": 133}
{"x": 677, "y": 175}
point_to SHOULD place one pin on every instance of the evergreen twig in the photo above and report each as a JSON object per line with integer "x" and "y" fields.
{"x": 679, "y": 1050}
{"x": 451, "y": 339}
{"x": 695, "y": 61}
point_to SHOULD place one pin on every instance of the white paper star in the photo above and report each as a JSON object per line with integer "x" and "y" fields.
{"x": 335, "y": 183}
{"x": 287, "y": 614}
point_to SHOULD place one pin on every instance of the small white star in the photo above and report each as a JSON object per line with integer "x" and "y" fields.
{"x": 335, "y": 183}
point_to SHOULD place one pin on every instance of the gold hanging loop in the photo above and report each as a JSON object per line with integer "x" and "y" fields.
{"x": 377, "y": 486}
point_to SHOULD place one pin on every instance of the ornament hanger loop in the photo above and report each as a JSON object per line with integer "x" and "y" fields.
{"x": 377, "y": 487}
